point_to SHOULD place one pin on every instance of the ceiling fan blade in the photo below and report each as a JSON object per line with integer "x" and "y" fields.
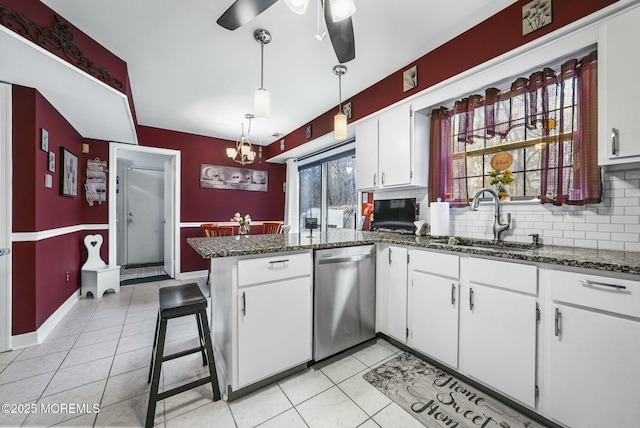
{"x": 243, "y": 11}
{"x": 341, "y": 34}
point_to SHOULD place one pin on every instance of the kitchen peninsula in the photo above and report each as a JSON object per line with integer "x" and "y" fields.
{"x": 543, "y": 307}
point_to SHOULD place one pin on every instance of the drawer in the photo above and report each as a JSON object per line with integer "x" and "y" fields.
{"x": 435, "y": 263}
{"x": 608, "y": 294}
{"x": 510, "y": 276}
{"x": 273, "y": 268}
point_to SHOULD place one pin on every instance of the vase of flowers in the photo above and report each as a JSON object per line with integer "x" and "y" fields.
{"x": 244, "y": 222}
{"x": 501, "y": 179}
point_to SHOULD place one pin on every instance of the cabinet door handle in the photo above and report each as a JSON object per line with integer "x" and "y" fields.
{"x": 614, "y": 142}
{"x": 389, "y": 255}
{"x": 471, "y": 298}
{"x": 453, "y": 294}
{"x": 383, "y": 178}
{"x": 588, "y": 283}
{"x": 244, "y": 304}
{"x": 375, "y": 179}
{"x": 557, "y": 327}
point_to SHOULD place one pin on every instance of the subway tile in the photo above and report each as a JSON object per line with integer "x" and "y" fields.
{"x": 611, "y": 245}
{"x": 571, "y": 234}
{"x": 600, "y": 236}
{"x": 586, "y": 227}
{"x": 626, "y": 202}
{"x": 632, "y": 228}
{"x": 585, "y": 243}
{"x": 598, "y": 219}
{"x": 632, "y": 246}
{"x": 564, "y": 242}
{"x": 624, "y": 219}
{"x": 563, "y": 226}
{"x": 611, "y": 228}
{"x": 625, "y": 237}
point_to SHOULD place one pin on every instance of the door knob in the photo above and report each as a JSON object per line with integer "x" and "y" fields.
{"x": 130, "y": 214}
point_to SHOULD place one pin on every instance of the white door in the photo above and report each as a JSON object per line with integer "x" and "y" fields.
{"x": 394, "y": 128}
{"x": 594, "y": 369}
{"x": 434, "y": 316}
{"x": 367, "y": 155}
{"x": 274, "y": 328}
{"x": 397, "y": 298}
{"x": 5, "y": 216}
{"x": 169, "y": 201}
{"x": 498, "y": 340}
{"x": 144, "y": 213}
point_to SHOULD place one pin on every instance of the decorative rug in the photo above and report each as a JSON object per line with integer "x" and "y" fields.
{"x": 437, "y": 399}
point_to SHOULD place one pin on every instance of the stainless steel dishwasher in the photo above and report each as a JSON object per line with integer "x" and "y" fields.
{"x": 344, "y": 298}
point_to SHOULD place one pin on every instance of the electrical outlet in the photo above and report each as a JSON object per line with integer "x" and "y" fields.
{"x": 66, "y": 276}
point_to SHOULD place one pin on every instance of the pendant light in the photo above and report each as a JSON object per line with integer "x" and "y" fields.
{"x": 243, "y": 153}
{"x": 342, "y": 9}
{"x": 340, "y": 119}
{"x": 298, "y": 6}
{"x": 261, "y": 100}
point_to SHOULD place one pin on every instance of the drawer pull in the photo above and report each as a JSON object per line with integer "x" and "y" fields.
{"x": 614, "y": 142}
{"x": 558, "y": 315}
{"x": 278, "y": 264}
{"x": 244, "y": 304}
{"x": 453, "y": 294}
{"x": 471, "y": 298}
{"x": 588, "y": 283}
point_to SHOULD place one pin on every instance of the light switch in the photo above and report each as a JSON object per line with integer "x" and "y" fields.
{"x": 48, "y": 181}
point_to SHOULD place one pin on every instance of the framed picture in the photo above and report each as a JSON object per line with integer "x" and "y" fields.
{"x": 535, "y": 15}
{"x": 233, "y": 178}
{"x": 44, "y": 140}
{"x": 52, "y": 162}
{"x": 410, "y": 78}
{"x": 68, "y": 173}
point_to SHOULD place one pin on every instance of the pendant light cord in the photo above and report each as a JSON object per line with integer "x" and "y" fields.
{"x": 340, "y": 93}
{"x": 261, "y": 67}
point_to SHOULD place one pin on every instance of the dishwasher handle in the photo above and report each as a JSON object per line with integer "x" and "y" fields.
{"x": 328, "y": 260}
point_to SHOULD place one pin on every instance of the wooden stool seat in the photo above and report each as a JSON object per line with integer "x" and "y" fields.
{"x": 178, "y": 301}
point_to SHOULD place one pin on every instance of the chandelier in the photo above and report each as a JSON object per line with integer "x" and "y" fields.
{"x": 243, "y": 153}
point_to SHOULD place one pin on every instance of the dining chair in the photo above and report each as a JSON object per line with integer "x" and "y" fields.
{"x": 222, "y": 231}
{"x": 207, "y": 229}
{"x": 269, "y": 227}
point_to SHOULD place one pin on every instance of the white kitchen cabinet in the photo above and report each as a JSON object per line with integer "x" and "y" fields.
{"x": 618, "y": 63}
{"x": 391, "y": 291}
{"x": 262, "y": 316}
{"x": 367, "y": 155}
{"x": 433, "y": 305}
{"x": 593, "y": 370}
{"x": 498, "y": 327}
{"x": 400, "y": 140}
{"x": 274, "y": 328}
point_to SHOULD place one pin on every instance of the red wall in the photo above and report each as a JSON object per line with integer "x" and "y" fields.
{"x": 40, "y": 267}
{"x": 210, "y": 205}
{"x": 495, "y": 36}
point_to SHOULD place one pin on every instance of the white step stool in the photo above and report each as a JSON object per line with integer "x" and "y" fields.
{"x": 96, "y": 276}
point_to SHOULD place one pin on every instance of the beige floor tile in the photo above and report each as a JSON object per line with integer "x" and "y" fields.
{"x": 130, "y": 413}
{"x": 130, "y": 361}
{"x": 135, "y": 342}
{"x": 188, "y": 400}
{"x": 50, "y": 346}
{"x": 259, "y": 406}
{"x": 372, "y": 353}
{"x": 7, "y": 357}
{"x": 126, "y": 386}
{"x": 138, "y": 327}
{"x": 331, "y": 409}
{"x": 31, "y": 367}
{"x": 73, "y": 377}
{"x": 25, "y": 390}
{"x": 394, "y": 416}
{"x": 211, "y": 415}
{"x": 289, "y": 419}
{"x": 102, "y": 323}
{"x": 302, "y": 386}
{"x": 369, "y": 424}
{"x": 365, "y": 395}
{"x": 341, "y": 367}
{"x": 90, "y": 353}
{"x": 97, "y": 336}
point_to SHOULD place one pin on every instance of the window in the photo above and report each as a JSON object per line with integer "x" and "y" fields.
{"x": 328, "y": 192}
{"x": 545, "y": 128}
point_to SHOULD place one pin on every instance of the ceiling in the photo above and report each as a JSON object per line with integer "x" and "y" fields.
{"x": 189, "y": 74}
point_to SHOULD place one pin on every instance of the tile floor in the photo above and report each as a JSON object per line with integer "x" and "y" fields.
{"x": 136, "y": 272}
{"x": 100, "y": 353}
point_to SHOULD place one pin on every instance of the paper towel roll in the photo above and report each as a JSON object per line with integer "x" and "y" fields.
{"x": 439, "y": 212}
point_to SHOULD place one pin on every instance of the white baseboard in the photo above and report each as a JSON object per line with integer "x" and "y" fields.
{"x": 37, "y": 337}
{"x": 192, "y": 275}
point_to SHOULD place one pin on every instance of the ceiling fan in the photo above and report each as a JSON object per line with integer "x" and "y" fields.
{"x": 341, "y": 32}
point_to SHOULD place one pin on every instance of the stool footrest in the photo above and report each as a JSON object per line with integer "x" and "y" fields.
{"x": 183, "y": 388}
{"x": 182, "y": 353}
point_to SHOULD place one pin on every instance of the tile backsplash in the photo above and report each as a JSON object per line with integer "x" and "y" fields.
{"x": 613, "y": 224}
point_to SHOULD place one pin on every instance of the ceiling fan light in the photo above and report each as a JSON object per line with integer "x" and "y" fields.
{"x": 231, "y": 152}
{"x": 340, "y": 126}
{"x": 261, "y": 104}
{"x": 297, "y": 6}
{"x": 342, "y": 9}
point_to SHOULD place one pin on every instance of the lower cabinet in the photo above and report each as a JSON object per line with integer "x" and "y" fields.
{"x": 274, "y": 328}
{"x": 433, "y": 305}
{"x": 391, "y": 291}
{"x": 593, "y": 369}
{"x": 498, "y": 327}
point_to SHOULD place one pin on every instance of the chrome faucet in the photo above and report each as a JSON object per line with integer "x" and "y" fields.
{"x": 498, "y": 227}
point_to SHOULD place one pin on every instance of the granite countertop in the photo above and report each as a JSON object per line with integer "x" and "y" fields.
{"x": 229, "y": 246}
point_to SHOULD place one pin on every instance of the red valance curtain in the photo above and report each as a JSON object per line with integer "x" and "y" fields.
{"x": 563, "y": 105}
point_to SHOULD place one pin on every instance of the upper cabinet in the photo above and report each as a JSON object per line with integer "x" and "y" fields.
{"x": 619, "y": 61}
{"x": 391, "y": 150}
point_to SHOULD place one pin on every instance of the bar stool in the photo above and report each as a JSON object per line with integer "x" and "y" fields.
{"x": 179, "y": 301}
